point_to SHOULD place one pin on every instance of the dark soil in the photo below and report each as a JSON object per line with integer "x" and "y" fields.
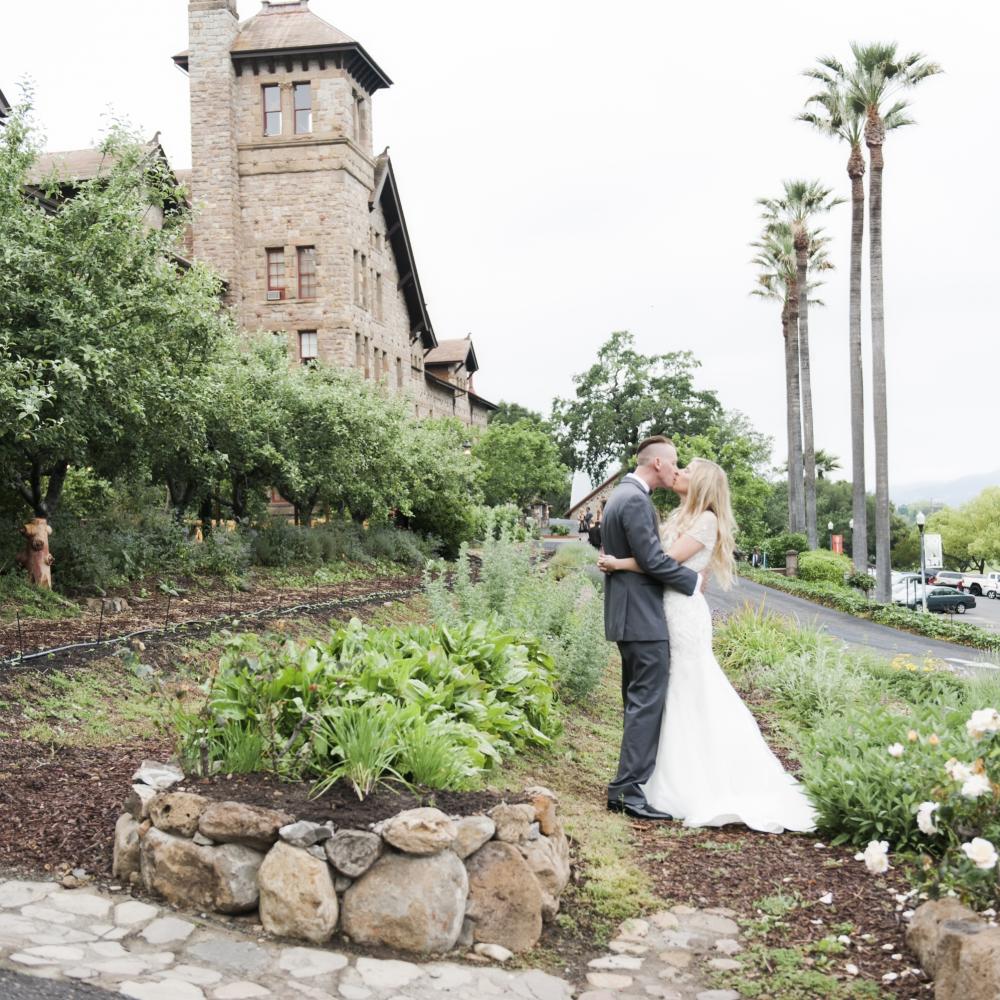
{"x": 188, "y": 617}
{"x": 58, "y": 805}
{"x": 341, "y": 803}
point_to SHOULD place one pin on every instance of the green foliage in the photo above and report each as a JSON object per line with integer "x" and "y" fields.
{"x": 821, "y": 566}
{"x": 864, "y": 582}
{"x": 559, "y": 604}
{"x": 778, "y": 547}
{"x": 971, "y": 534}
{"x": 931, "y": 625}
{"x": 439, "y": 704}
{"x": 559, "y": 529}
{"x": 625, "y": 396}
{"x": 519, "y": 463}
{"x": 18, "y": 597}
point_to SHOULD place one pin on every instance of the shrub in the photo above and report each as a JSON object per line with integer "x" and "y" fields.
{"x": 222, "y": 553}
{"x": 819, "y": 566}
{"x": 434, "y": 705}
{"x": 559, "y": 529}
{"x": 864, "y": 582}
{"x": 779, "y": 545}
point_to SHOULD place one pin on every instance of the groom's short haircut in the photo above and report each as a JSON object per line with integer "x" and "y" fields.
{"x": 647, "y": 449}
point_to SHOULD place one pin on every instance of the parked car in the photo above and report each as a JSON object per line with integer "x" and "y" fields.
{"x": 982, "y": 583}
{"x": 946, "y": 578}
{"x": 906, "y": 588}
{"x": 941, "y": 599}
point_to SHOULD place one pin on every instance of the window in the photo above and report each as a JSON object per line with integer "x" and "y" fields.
{"x": 358, "y": 356}
{"x": 356, "y": 116}
{"x": 307, "y": 346}
{"x": 272, "y": 109}
{"x": 357, "y": 278}
{"x": 275, "y": 273}
{"x": 378, "y": 296}
{"x": 365, "y": 291}
{"x": 368, "y": 370}
{"x": 303, "y": 108}
{"x": 307, "y": 272}
{"x": 399, "y": 373}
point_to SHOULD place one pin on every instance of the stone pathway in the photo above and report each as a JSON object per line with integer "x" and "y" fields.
{"x": 110, "y": 940}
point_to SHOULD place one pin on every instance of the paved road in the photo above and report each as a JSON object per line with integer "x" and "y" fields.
{"x": 854, "y": 631}
{"x": 17, "y": 987}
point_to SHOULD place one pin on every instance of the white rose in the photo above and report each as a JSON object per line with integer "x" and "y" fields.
{"x": 958, "y": 771}
{"x": 876, "y": 857}
{"x": 976, "y": 785}
{"x": 896, "y": 750}
{"x": 925, "y": 817}
{"x": 985, "y": 720}
{"x": 981, "y": 853}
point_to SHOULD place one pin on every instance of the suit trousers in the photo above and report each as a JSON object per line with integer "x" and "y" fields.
{"x": 645, "y": 675}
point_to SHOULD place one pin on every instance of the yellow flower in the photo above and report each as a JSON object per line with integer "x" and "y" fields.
{"x": 913, "y": 736}
{"x": 933, "y": 739}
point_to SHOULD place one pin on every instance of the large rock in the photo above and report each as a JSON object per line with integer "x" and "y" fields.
{"x": 236, "y": 823}
{"x": 157, "y": 775}
{"x": 137, "y": 801}
{"x": 924, "y": 930}
{"x": 305, "y": 834}
{"x": 505, "y": 901}
{"x": 473, "y": 832}
{"x": 410, "y": 903}
{"x": 513, "y": 821}
{"x": 177, "y": 812}
{"x": 125, "y": 856}
{"x": 297, "y": 898}
{"x": 419, "y": 831}
{"x": 353, "y": 852}
{"x": 967, "y": 961}
{"x": 212, "y": 878}
{"x": 548, "y": 860}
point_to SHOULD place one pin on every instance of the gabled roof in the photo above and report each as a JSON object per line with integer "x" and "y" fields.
{"x": 451, "y": 352}
{"x": 4, "y": 106}
{"x": 590, "y": 496}
{"x": 386, "y": 195}
{"x": 75, "y": 165}
{"x": 290, "y": 30}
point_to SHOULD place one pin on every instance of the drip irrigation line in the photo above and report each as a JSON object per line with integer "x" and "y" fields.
{"x": 261, "y": 613}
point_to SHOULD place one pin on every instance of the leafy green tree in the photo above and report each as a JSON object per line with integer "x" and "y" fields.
{"x": 519, "y": 463}
{"x": 626, "y": 396}
{"x": 970, "y": 534}
{"x": 91, "y": 302}
{"x": 441, "y": 481}
{"x": 511, "y": 413}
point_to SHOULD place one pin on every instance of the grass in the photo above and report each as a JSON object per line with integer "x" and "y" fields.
{"x": 296, "y": 578}
{"x": 19, "y": 598}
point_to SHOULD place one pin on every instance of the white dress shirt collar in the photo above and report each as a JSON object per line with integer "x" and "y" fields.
{"x": 639, "y": 480}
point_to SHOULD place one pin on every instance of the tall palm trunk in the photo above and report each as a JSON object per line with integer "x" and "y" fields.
{"x": 808, "y": 445}
{"x": 859, "y": 535}
{"x": 796, "y": 504}
{"x": 874, "y": 138}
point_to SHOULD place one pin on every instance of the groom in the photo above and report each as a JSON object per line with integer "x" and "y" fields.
{"x": 634, "y": 618}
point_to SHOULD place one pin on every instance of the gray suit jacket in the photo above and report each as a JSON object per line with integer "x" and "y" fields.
{"x": 633, "y": 602}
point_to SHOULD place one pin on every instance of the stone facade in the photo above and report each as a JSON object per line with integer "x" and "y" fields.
{"x": 594, "y": 499}
{"x": 309, "y": 193}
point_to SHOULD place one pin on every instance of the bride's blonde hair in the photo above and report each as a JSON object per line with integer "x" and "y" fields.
{"x": 708, "y": 489}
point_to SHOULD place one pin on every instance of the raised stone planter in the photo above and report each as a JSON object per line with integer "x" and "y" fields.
{"x": 959, "y": 949}
{"x": 420, "y": 881}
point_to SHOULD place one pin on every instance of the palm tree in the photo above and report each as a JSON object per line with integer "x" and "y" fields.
{"x": 778, "y": 281}
{"x": 825, "y": 464}
{"x": 802, "y": 200}
{"x": 873, "y": 83}
{"x": 835, "y": 116}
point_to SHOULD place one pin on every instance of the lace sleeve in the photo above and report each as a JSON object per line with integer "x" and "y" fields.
{"x": 705, "y": 529}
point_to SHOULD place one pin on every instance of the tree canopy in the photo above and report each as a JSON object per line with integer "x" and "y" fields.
{"x": 519, "y": 463}
{"x": 970, "y": 534}
{"x": 626, "y": 396}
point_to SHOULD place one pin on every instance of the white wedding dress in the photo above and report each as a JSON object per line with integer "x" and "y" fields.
{"x": 713, "y": 766}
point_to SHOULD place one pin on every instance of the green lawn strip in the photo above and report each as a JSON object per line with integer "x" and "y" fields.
{"x": 19, "y": 598}
{"x": 853, "y": 603}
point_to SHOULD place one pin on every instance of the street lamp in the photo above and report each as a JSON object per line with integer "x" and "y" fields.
{"x": 850, "y": 524}
{"x": 829, "y": 527}
{"x": 921, "y": 522}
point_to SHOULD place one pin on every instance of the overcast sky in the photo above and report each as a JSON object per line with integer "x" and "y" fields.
{"x": 570, "y": 169}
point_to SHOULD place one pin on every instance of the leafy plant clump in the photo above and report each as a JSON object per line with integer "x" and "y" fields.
{"x": 820, "y": 566}
{"x": 434, "y": 706}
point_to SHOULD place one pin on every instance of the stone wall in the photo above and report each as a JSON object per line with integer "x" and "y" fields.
{"x": 420, "y": 882}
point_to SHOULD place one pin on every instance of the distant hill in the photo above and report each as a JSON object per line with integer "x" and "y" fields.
{"x": 953, "y": 493}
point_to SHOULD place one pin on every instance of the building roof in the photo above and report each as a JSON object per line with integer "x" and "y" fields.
{"x": 450, "y": 352}
{"x": 290, "y": 30}
{"x": 593, "y": 493}
{"x": 4, "y": 106}
{"x": 71, "y": 166}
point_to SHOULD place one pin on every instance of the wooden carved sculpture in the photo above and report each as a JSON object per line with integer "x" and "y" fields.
{"x": 35, "y": 557}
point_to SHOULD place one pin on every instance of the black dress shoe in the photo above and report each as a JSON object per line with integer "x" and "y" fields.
{"x": 638, "y": 810}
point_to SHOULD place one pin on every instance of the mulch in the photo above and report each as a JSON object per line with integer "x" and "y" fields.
{"x": 341, "y": 803}
{"x": 153, "y": 613}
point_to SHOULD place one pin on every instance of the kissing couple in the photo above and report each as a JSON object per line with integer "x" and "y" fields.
{"x": 691, "y": 750}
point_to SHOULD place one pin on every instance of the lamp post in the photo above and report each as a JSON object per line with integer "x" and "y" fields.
{"x": 829, "y": 527}
{"x": 850, "y": 524}
{"x": 921, "y": 522}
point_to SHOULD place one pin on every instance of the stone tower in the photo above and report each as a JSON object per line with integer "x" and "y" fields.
{"x": 294, "y": 210}
{"x": 212, "y": 28}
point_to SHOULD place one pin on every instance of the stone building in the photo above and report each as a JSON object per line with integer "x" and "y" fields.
{"x": 298, "y": 214}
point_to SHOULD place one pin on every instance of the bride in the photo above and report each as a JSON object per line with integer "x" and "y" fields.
{"x": 712, "y": 765}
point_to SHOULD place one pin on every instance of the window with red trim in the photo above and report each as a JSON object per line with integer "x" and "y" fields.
{"x": 271, "y": 98}
{"x": 303, "y": 108}
{"x": 276, "y": 271}
{"x": 307, "y": 272}
{"x": 307, "y": 346}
